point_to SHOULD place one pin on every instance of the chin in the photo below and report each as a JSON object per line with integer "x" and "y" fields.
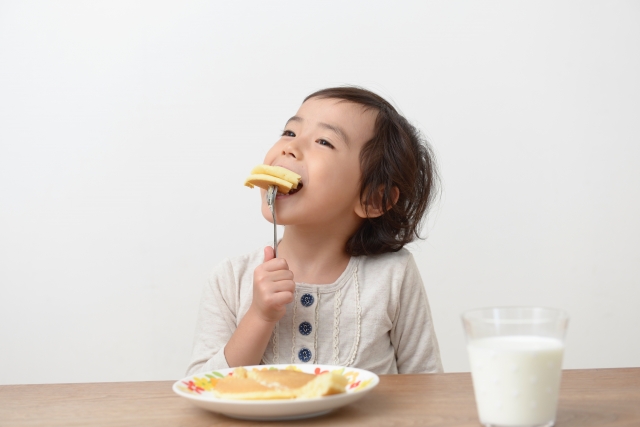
{"x": 266, "y": 214}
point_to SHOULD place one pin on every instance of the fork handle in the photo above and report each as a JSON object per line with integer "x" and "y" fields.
{"x": 275, "y": 235}
{"x": 272, "y": 192}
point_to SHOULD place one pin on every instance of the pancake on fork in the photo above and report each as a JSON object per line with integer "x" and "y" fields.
{"x": 264, "y": 175}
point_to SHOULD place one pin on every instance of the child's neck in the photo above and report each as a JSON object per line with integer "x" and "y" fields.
{"x": 315, "y": 257}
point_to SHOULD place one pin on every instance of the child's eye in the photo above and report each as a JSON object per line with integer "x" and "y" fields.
{"x": 325, "y": 143}
{"x": 288, "y": 133}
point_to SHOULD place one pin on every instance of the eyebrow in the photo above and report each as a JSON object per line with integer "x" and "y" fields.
{"x": 333, "y": 128}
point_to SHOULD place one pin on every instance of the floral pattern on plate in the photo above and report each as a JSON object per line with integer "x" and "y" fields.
{"x": 199, "y": 384}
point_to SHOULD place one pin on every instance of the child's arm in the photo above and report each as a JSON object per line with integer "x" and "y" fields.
{"x": 273, "y": 289}
{"x": 413, "y": 335}
{"x": 219, "y": 310}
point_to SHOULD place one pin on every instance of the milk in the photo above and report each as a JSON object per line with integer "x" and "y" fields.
{"x": 516, "y": 379}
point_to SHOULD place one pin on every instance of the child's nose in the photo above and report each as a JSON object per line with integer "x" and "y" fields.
{"x": 292, "y": 149}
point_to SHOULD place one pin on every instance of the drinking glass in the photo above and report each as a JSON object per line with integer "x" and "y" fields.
{"x": 516, "y": 363}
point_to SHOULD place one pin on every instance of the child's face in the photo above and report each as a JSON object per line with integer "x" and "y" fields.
{"x": 322, "y": 143}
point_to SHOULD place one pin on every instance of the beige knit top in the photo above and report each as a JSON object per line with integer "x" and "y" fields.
{"x": 375, "y": 316}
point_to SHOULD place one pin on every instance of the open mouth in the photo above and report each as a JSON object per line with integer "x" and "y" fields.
{"x": 293, "y": 190}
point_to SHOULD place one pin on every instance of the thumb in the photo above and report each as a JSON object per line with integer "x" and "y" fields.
{"x": 268, "y": 254}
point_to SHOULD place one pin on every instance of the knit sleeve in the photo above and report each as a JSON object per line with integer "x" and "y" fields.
{"x": 217, "y": 320}
{"x": 413, "y": 335}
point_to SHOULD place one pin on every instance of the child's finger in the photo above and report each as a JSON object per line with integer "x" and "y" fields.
{"x": 267, "y": 288}
{"x": 286, "y": 285}
{"x": 280, "y": 274}
{"x": 269, "y": 253}
{"x": 282, "y": 298}
{"x": 275, "y": 264}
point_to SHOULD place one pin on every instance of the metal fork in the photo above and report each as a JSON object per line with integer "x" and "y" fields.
{"x": 272, "y": 192}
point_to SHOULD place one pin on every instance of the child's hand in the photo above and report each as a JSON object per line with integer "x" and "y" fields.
{"x": 273, "y": 287}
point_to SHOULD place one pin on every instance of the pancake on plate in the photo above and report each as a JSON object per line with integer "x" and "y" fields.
{"x": 258, "y": 384}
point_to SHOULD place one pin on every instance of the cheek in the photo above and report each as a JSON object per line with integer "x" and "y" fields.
{"x": 340, "y": 183}
{"x": 344, "y": 174}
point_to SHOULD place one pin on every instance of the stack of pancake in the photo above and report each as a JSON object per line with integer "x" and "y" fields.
{"x": 278, "y": 384}
{"x": 264, "y": 175}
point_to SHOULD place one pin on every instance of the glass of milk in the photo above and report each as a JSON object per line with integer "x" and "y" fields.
{"x": 516, "y": 361}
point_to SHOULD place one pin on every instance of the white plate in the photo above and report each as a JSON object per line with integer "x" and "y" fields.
{"x": 197, "y": 388}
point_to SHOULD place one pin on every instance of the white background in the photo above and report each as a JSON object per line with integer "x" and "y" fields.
{"x": 127, "y": 128}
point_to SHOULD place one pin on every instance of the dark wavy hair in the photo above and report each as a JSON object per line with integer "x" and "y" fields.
{"x": 397, "y": 156}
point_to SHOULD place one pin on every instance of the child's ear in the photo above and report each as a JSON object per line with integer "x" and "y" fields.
{"x": 374, "y": 210}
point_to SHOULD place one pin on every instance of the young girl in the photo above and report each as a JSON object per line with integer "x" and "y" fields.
{"x": 342, "y": 290}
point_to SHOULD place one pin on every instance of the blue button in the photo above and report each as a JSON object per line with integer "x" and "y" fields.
{"x": 305, "y": 328}
{"x": 304, "y": 355}
{"x": 307, "y": 300}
